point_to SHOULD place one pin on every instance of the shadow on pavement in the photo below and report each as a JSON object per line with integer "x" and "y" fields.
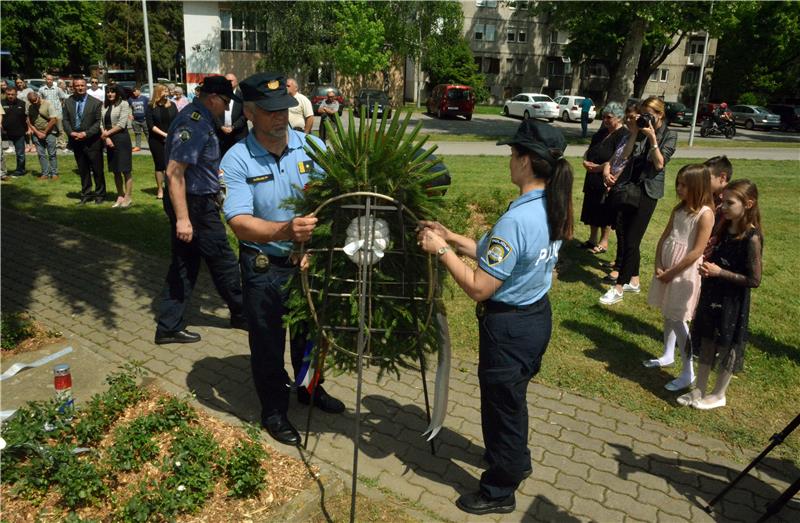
{"x": 542, "y": 509}
{"x": 700, "y": 482}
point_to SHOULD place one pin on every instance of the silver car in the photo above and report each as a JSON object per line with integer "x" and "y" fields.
{"x": 531, "y": 105}
{"x": 752, "y": 116}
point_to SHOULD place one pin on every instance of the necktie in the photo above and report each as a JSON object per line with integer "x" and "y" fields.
{"x": 79, "y": 112}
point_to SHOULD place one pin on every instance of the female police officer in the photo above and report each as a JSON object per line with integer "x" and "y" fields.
{"x": 515, "y": 265}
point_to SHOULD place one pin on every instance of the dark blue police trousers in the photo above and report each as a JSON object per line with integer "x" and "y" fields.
{"x": 210, "y": 244}
{"x": 512, "y": 343}
{"x": 265, "y": 296}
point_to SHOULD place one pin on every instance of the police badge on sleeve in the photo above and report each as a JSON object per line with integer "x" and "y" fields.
{"x": 498, "y": 250}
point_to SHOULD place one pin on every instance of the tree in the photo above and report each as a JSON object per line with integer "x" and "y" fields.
{"x": 123, "y": 30}
{"x": 361, "y": 47}
{"x": 760, "y": 54}
{"x": 52, "y": 36}
{"x": 633, "y": 38}
{"x": 454, "y": 63}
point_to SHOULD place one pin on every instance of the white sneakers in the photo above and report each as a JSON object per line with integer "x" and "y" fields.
{"x": 611, "y": 297}
{"x": 630, "y": 288}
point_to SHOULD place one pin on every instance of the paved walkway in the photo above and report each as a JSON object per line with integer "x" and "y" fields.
{"x": 592, "y": 460}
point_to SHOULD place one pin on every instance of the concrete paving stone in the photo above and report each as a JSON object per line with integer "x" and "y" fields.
{"x": 595, "y": 460}
{"x": 546, "y": 492}
{"x": 565, "y": 465}
{"x": 544, "y": 473}
{"x": 684, "y": 449}
{"x": 675, "y": 475}
{"x": 636, "y": 433}
{"x": 654, "y": 451}
{"x": 543, "y": 391}
{"x": 595, "y": 420}
{"x": 569, "y": 422}
{"x": 580, "y": 486}
{"x": 700, "y": 516}
{"x": 621, "y": 414}
{"x": 400, "y": 486}
{"x": 738, "y": 512}
{"x": 711, "y": 445}
{"x": 551, "y": 444}
{"x": 444, "y": 508}
{"x": 596, "y": 511}
{"x": 581, "y": 441}
{"x": 647, "y": 480}
{"x": 613, "y": 482}
{"x": 665, "y": 517}
{"x": 554, "y": 406}
{"x": 184, "y": 365}
{"x": 630, "y": 506}
{"x": 664, "y": 430}
{"x": 581, "y": 402}
{"x": 611, "y": 437}
{"x": 544, "y": 427}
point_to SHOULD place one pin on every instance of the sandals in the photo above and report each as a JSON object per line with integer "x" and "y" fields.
{"x": 588, "y": 245}
{"x": 598, "y": 249}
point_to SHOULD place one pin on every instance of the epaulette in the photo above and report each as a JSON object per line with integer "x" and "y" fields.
{"x": 196, "y": 116}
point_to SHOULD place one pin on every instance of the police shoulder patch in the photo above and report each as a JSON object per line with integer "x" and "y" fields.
{"x": 498, "y": 250}
{"x": 196, "y": 116}
{"x": 185, "y": 135}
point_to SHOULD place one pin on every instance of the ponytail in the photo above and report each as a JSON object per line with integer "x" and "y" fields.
{"x": 558, "y": 190}
{"x": 558, "y": 194}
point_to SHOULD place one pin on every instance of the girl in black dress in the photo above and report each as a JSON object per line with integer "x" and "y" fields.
{"x": 730, "y": 271}
{"x": 159, "y": 115}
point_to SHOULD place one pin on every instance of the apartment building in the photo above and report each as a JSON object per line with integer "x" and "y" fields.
{"x": 519, "y": 52}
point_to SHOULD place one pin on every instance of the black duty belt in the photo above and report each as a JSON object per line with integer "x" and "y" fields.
{"x": 278, "y": 261}
{"x": 500, "y": 307}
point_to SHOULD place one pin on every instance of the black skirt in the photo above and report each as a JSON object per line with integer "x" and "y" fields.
{"x": 119, "y": 156}
{"x": 157, "y": 145}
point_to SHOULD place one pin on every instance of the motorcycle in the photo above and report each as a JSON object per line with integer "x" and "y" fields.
{"x": 710, "y": 128}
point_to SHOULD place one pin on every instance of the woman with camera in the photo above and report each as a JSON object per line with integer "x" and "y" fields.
{"x": 637, "y": 190}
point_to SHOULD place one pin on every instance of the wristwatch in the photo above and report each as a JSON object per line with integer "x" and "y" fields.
{"x": 443, "y": 250}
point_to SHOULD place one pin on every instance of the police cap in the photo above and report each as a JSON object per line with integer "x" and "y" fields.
{"x": 268, "y": 91}
{"x": 542, "y": 139}
{"x": 219, "y": 85}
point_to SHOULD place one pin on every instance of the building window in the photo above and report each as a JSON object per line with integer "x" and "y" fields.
{"x": 485, "y": 32}
{"x": 558, "y": 37}
{"x": 660, "y": 75}
{"x": 697, "y": 47}
{"x": 485, "y": 3}
{"x": 515, "y": 34}
{"x": 519, "y": 67}
{"x": 522, "y": 36}
{"x": 690, "y": 76}
{"x": 491, "y": 65}
{"x": 521, "y": 5}
{"x": 242, "y": 33}
{"x": 511, "y": 35}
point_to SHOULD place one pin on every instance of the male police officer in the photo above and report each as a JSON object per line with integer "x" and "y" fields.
{"x": 261, "y": 172}
{"x": 191, "y": 203}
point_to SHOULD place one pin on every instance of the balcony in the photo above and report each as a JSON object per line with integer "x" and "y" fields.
{"x": 555, "y": 50}
{"x": 696, "y": 60}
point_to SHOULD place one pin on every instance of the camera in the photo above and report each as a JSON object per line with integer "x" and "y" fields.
{"x": 645, "y": 120}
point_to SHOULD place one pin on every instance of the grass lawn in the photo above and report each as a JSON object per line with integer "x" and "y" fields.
{"x": 595, "y": 351}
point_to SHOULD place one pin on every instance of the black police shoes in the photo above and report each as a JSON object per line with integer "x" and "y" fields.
{"x": 322, "y": 400}
{"x": 182, "y": 336}
{"x": 239, "y": 322}
{"x": 281, "y": 429}
{"x": 476, "y": 503}
{"x": 85, "y": 199}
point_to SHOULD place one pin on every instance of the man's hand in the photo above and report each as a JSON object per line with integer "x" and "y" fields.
{"x": 183, "y": 230}
{"x": 39, "y": 134}
{"x": 227, "y": 130}
{"x": 436, "y": 227}
{"x": 301, "y": 227}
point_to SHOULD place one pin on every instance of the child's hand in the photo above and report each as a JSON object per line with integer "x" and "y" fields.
{"x": 664, "y": 276}
{"x": 709, "y": 270}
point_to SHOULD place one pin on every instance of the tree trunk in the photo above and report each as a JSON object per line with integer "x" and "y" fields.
{"x": 621, "y": 84}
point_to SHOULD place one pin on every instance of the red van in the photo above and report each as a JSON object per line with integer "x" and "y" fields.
{"x": 453, "y": 100}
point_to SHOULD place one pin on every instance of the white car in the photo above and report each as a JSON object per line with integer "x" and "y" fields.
{"x": 531, "y": 105}
{"x": 569, "y": 109}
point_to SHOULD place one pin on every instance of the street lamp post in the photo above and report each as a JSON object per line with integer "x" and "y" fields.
{"x": 147, "y": 47}
{"x": 699, "y": 86}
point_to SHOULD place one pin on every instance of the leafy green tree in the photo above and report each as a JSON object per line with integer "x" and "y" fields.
{"x": 454, "y": 63}
{"x": 123, "y": 33}
{"x": 361, "y": 47}
{"x": 760, "y": 54}
{"x": 633, "y": 38}
{"x": 62, "y": 37}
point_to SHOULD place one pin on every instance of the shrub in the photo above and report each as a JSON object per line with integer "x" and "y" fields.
{"x": 14, "y": 328}
{"x": 245, "y": 474}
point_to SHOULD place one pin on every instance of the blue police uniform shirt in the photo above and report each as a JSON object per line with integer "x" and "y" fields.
{"x": 191, "y": 139}
{"x": 258, "y": 185}
{"x": 519, "y": 252}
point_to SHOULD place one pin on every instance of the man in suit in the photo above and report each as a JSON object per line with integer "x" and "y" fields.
{"x": 232, "y": 126}
{"x": 82, "y": 125}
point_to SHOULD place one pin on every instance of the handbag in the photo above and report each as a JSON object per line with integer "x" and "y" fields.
{"x": 626, "y": 194}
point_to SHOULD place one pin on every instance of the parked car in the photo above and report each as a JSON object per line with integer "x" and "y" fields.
{"x": 569, "y": 107}
{"x": 677, "y": 113}
{"x": 368, "y": 98}
{"x": 321, "y": 92}
{"x": 451, "y": 100}
{"x": 754, "y": 116}
{"x": 790, "y": 116}
{"x": 531, "y": 105}
{"x": 35, "y": 83}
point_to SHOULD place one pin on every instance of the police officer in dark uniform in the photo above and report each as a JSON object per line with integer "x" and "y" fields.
{"x": 515, "y": 267}
{"x": 261, "y": 172}
{"x": 192, "y": 206}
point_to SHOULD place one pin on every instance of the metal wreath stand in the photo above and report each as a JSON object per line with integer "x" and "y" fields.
{"x": 367, "y": 207}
